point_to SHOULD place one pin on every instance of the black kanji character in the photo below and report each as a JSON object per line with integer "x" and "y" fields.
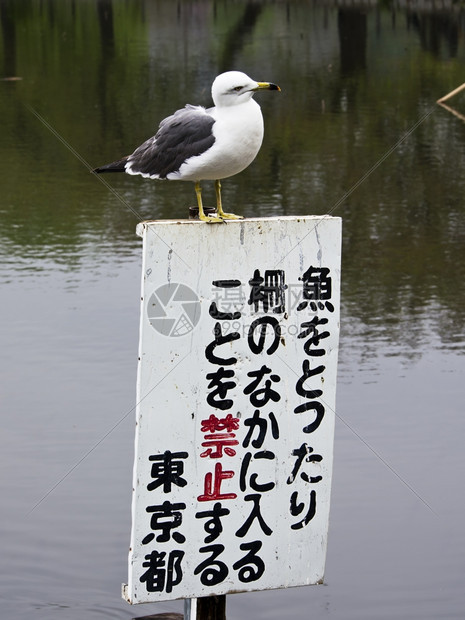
{"x": 307, "y": 373}
{"x": 213, "y": 526}
{"x": 311, "y": 328}
{"x": 261, "y": 323}
{"x": 260, "y": 397}
{"x": 317, "y": 287}
{"x": 222, "y": 316}
{"x": 319, "y": 410}
{"x": 212, "y": 571}
{"x": 158, "y": 574}
{"x": 254, "y": 485}
{"x": 268, "y": 291}
{"x": 251, "y": 567}
{"x": 167, "y": 470}
{"x": 232, "y": 296}
{"x": 304, "y": 451}
{"x": 165, "y": 517}
{"x": 218, "y": 341}
{"x": 254, "y": 514}
{"x": 313, "y": 404}
{"x": 262, "y": 424}
{"x": 217, "y": 397}
{"x": 296, "y": 509}
{"x": 226, "y": 283}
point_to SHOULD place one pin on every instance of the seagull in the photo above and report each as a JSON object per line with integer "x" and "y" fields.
{"x": 200, "y": 144}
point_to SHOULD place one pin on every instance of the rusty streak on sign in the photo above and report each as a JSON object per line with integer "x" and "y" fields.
{"x": 236, "y": 398}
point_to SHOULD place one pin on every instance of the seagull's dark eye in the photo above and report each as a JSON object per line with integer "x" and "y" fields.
{"x": 237, "y": 88}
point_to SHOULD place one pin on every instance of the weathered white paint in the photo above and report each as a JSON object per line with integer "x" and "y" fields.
{"x": 181, "y": 261}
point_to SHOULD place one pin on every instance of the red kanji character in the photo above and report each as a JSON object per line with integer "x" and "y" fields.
{"x": 220, "y": 441}
{"x": 212, "y": 488}
{"x": 213, "y": 424}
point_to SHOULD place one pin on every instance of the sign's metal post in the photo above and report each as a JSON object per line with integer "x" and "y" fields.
{"x": 235, "y": 413}
{"x": 190, "y": 609}
{"x": 206, "y": 608}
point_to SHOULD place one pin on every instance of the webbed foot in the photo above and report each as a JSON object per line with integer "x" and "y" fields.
{"x": 210, "y": 219}
{"x": 230, "y": 216}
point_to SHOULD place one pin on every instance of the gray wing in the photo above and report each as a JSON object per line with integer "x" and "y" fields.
{"x": 185, "y": 134}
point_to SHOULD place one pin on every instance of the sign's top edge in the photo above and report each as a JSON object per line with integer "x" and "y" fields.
{"x": 296, "y": 218}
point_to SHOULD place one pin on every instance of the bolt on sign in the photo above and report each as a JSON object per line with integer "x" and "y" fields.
{"x": 235, "y": 406}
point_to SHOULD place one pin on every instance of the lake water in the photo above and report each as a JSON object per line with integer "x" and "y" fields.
{"x": 356, "y": 133}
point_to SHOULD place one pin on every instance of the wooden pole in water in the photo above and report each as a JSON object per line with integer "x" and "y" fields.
{"x": 452, "y": 111}
{"x": 451, "y": 94}
{"x": 454, "y": 92}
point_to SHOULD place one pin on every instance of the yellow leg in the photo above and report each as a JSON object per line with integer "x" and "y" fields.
{"x": 202, "y": 216}
{"x": 219, "y": 206}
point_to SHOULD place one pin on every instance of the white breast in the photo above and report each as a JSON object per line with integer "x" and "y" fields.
{"x": 238, "y": 132}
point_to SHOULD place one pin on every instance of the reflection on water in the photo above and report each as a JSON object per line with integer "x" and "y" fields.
{"x": 355, "y": 132}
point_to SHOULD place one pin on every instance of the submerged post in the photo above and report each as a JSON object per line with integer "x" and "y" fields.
{"x": 235, "y": 408}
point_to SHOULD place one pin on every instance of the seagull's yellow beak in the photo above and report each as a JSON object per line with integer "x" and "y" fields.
{"x": 267, "y": 86}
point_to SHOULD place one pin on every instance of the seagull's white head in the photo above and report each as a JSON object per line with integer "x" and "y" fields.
{"x": 234, "y": 87}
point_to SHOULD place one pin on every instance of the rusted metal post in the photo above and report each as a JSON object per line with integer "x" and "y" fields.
{"x": 211, "y": 608}
{"x": 205, "y": 608}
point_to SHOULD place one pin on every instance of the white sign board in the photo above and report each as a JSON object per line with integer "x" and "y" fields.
{"x": 235, "y": 406}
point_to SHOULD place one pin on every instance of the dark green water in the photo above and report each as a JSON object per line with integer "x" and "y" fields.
{"x": 356, "y": 133}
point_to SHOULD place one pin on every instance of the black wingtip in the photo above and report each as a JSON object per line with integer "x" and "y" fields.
{"x": 115, "y": 166}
